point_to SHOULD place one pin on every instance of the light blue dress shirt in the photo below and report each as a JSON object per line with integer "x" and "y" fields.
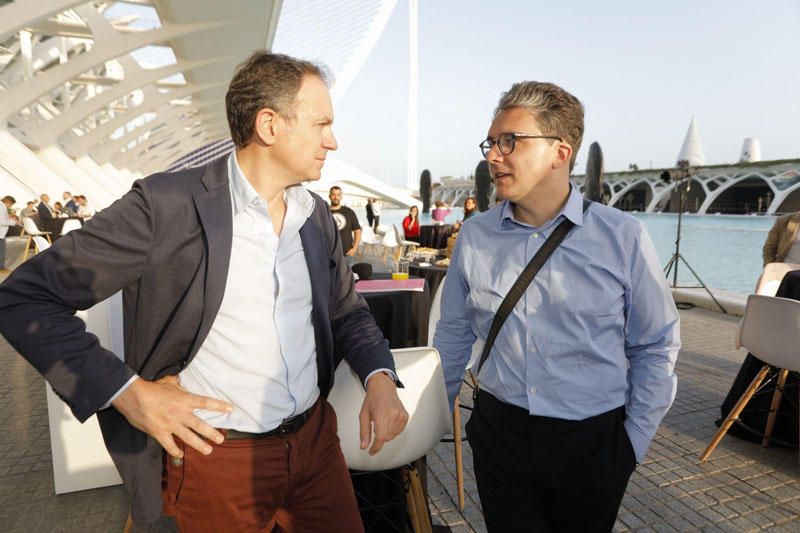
{"x": 596, "y": 329}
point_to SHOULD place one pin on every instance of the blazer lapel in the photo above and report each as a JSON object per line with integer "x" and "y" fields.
{"x": 213, "y": 204}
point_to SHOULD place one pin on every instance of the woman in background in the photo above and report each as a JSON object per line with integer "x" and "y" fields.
{"x": 440, "y": 212}
{"x": 411, "y": 224}
{"x": 470, "y": 208}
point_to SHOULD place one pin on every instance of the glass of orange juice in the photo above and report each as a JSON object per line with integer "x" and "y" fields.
{"x": 400, "y": 270}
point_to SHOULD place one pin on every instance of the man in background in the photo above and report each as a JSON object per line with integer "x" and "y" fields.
{"x": 6, "y": 220}
{"x": 69, "y": 205}
{"x": 347, "y": 222}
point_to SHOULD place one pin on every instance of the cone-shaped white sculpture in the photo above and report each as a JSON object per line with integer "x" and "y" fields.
{"x": 692, "y": 149}
{"x": 751, "y": 150}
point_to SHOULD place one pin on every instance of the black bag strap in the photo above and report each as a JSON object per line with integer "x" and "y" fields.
{"x": 525, "y": 279}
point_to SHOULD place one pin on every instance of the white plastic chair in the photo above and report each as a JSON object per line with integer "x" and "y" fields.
{"x": 770, "y": 330}
{"x": 406, "y": 246}
{"x": 70, "y": 225}
{"x": 40, "y": 243}
{"x": 477, "y": 348}
{"x": 390, "y": 245}
{"x": 368, "y": 239}
{"x": 424, "y": 397}
{"x": 30, "y": 227}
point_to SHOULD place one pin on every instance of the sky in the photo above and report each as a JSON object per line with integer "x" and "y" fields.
{"x": 641, "y": 69}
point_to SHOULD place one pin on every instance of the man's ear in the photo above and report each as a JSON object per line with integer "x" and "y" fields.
{"x": 563, "y": 155}
{"x": 266, "y": 126}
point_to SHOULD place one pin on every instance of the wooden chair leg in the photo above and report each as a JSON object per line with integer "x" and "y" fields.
{"x": 128, "y": 525}
{"x": 411, "y": 502}
{"x": 773, "y": 408}
{"x": 459, "y": 456}
{"x": 740, "y": 405}
{"x": 422, "y": 504}
{"x": 27, "y": 249}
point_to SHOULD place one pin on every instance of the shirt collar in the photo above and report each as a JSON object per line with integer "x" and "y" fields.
{"x": 572, "y": 210}
{"x": 243, "y": 193}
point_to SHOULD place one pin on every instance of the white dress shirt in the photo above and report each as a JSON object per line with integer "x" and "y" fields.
{"x": 5, "y": 221}
{"x": 260, "y": 354}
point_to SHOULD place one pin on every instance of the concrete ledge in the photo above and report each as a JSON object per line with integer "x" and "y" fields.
{"x": 733, "y": 302}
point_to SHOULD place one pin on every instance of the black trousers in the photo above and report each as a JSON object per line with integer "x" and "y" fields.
{"x": 542, "y": 474}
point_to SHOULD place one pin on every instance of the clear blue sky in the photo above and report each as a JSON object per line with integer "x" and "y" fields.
{"x": 641, "y": 69}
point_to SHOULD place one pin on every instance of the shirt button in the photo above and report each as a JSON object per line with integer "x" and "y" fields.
{"x": 532, "y": 390}
{"x": 536, "y": 235}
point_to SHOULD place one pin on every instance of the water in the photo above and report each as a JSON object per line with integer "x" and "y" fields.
{"x": 724, "y": 250}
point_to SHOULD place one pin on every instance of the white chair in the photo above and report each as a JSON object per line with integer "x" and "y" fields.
{"x": 424, "y": 397}
{"x": 40, "y": 243}
{"x": 770, "y": 331}
{"x": 29, "y": 226}
{"x": 368, "y": 239}
{"x": 406, "y": 246}
{"x": 390, "y": 245}
{"x": 70, "y": 225}
{"x": 477, "y": 348}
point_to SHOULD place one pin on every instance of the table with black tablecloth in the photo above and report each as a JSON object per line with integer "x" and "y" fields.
{"x": 433, "y": 274}
{"x": 401, "y": 315}
{"x": 403, "y": 319}
{"x": 753, "y": 419}
{"x": 435, "y": 235}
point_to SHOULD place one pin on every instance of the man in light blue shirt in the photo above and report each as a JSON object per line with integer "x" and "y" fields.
{"x": 582, "y": 371}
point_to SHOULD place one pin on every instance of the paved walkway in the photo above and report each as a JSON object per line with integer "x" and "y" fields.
{"x": 743, "y": 487}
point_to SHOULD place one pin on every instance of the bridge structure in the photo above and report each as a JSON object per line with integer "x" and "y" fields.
{"x": 94, "y": 95}
{"x": 763, "y": 187}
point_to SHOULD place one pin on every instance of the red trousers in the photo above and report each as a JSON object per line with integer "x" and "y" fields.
{"x": 296, "y": 483}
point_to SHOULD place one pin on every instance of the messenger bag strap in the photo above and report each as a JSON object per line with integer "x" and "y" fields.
{"x": 525, "y": 279}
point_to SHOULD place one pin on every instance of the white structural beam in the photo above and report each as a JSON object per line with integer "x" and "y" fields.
{"x": 108, "y": 45}
{"x": 413, "y": 89}
{"x": 17, "y": 15}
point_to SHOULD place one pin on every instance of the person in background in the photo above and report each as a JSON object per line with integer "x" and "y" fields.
{"x": 411, "y": 224}
{"x": 58, "y": 209}
{"x": 376, "y": 212}
{"x": 84, "y": 210}
{"x": 7, "y": 219}
{"x": 346, "y": 221}
{"x": 370, "y": 215}
{"x": 28, "y": 211}
{"x": 70, "y": 207}
{"x": 470, "y": 208}
{"x": 781, "y": 253}
{"x": 581, "y": 373}
{"x": 440, "y": 212}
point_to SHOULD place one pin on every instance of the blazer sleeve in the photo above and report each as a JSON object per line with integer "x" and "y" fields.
{"x": 355, "y": 333}
{"x": 38, "y": 301}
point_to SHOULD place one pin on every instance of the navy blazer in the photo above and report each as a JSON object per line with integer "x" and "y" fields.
{"x": 167, "y": 245}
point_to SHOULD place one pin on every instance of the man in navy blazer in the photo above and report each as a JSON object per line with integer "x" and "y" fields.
{"x": 201, "y": 255}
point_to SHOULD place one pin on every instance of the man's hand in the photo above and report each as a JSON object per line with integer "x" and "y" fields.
{"x": 381, "y": 411}
{"x": 163, "y": 408}
{"x": 350, "y": 252}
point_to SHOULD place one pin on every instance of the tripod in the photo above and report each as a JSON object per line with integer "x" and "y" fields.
{"x": 672, "y": 264}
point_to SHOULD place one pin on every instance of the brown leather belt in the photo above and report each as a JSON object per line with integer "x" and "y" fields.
{"x": 288, "y": 426}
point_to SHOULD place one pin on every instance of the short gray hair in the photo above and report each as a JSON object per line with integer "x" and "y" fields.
{"x": 558, "y": 112}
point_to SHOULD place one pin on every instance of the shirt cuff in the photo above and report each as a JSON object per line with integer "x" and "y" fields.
{"x": 639, "y": 441}
{"x": 120, "y": 391}
{"x": 386, "y": 371}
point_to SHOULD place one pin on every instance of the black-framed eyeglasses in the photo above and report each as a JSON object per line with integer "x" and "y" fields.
{"x": 507, "y": 141}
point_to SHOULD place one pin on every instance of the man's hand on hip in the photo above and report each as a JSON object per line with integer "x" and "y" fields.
{"x": 163, "y": 408}
{"x": 382, "y": 412}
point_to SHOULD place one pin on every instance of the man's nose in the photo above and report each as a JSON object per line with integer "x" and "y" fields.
{"x": 329, "y": 143}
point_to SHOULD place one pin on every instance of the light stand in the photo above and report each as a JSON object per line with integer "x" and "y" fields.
{"x": 684, "y": 185}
